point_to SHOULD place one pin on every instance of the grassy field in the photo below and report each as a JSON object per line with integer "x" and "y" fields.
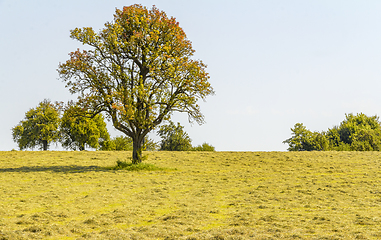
{"x": 198, "y": 195}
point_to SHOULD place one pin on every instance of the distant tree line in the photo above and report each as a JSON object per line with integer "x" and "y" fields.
{"x": 75, "y": 130}
{"x": 173, "y": 138}
{"x": 355, "y": 133}
{"x": 124, "y": 143}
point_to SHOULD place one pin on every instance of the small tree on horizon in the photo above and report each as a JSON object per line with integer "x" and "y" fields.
{"x": 304, "y": 140}
{"x": 139, "y": 71}
{"x": 77, "y": 132}
{"x": 39, "y": 128}
{"x": 174, "y": 138}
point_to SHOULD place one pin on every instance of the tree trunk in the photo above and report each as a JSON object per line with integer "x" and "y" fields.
{"x": 45, "y": 145}
{"x": 137, "y": 150}
{"x": 82, "y": 147}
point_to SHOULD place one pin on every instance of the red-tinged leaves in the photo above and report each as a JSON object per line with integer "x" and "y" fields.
{"x": 139, "y": 70}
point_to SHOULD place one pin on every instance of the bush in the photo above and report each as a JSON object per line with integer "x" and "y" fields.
{"x": 174, "y": 138}
{"x": 119, "y": 143}
{"x": 204, "y": 147}
{"x": 356, "y": 133}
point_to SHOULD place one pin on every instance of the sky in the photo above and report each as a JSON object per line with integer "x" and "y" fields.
{"x": 271, "y": 63}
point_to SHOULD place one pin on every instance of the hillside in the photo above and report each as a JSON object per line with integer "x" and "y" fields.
{"x": 199, "y": 195}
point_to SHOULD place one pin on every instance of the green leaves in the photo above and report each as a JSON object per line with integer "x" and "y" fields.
{"x": 360, "y": 132}
{"x": 174, "y": 138}
{"x": 305, "y": 140}
{"x": 356, "y": 133}
{"x": 79, "y": 129}
{"x": 43, "y": 125}
{"x": 39, "y": 128}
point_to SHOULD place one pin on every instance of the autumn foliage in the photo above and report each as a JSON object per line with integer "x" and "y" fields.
{"x": 139, "y": 71}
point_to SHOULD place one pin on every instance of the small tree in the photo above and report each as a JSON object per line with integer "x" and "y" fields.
{"x": 305, "y": 140}
{"x": 39, "y": 128}
{"x": 78, "y": 131}
{"x": 174, "y": 138}
{"x": 140, "y": 70}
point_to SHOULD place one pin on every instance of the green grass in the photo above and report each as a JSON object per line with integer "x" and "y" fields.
{"x": 210, "y": 195}
{"x": 125, "y": 165}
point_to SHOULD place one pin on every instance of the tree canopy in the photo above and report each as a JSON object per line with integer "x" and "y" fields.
{"x": 305, "y": 140}
{"x": 174, "y": 138}
{"x": 139, "y": 71}
{"x": 39, "y": 128}
{"x": 355, "y": 133}
{"x": 77, "y": 131}
{"x": 358, "y": 133}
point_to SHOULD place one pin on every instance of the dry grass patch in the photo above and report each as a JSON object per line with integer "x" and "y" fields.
{"x": 211, "y": 195}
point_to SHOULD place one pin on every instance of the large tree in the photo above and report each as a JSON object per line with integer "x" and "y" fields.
{"x": 139, "y": 71}
{"x": 78, "y": 131}
{"x": 39, "y": 128}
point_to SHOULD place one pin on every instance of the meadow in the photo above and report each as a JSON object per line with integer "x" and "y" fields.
{"x": 196, "y": 195}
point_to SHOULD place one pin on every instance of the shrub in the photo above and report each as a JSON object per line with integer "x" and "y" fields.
{"x": 204, "y": 147}
{"x": 119, "y": 143}
{"x": 174, "y": 138}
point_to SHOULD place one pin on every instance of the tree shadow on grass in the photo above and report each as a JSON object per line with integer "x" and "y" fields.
{"x": 60, "y": 169}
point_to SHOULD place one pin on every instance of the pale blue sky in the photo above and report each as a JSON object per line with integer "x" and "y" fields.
{"x": 272, "y": 63}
